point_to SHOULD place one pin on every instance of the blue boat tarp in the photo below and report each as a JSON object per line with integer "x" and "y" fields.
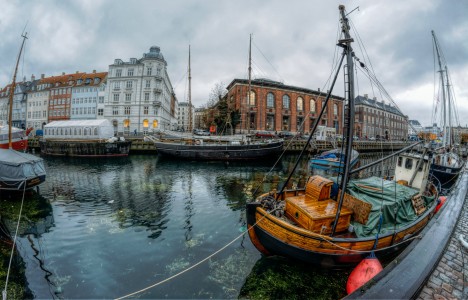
{"x": 388, "y": 198}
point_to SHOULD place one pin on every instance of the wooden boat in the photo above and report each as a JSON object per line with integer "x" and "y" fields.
{"x": 84, "y": 138}
{"x": 213, "y": 148}
{"x": 447, "y": 165}
{"x": 333, "y": 160}
{"x": 330, "y": 226}
{"x": 19, "y": 171}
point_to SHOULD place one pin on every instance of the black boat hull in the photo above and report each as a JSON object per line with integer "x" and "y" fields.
{"x": 219, "y": 152}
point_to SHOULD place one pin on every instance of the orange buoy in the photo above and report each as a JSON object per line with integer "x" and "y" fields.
{"x": 364, "y": 271}
{"x": 441, "y": 202}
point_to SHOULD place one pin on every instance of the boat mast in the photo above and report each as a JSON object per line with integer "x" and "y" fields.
{"x": 12, "y": 92}
{"x": 189, "y": 92}
{"x": 441, "y": 71}
{"x": 349, "y": 93}
{"x": 250, "y": 85}
{"x": 449, "y": 102}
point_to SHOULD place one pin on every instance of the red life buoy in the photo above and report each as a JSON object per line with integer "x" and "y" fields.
{"x": 364, "y": 271}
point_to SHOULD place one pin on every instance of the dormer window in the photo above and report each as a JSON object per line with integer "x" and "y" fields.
{"x": 80, "y": 81}
{"x": 133, "y": 60}
{"x": 96, "y": 80}
{"x": 88, "y": 81}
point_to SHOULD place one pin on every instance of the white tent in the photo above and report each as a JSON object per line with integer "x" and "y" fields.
{"x": 79, "y": 129}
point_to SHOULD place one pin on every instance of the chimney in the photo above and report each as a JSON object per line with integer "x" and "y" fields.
{"x": 94, "y": 71}
{"x": 63, "y": 73}
{"x": 77, "y": 72}
{"x": 366, "y": 96}
{"x": 319, "y": 90}
{"x": 42, "y": 76}
{"x": 375, "y": 98}
{"x": 24, "y": 79}
{"x": 33, "y": 77}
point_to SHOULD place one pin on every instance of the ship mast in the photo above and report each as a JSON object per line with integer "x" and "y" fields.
{"x": 12, "y": 92}
{"x": 189, "y": 93}
{"x": 441, "y": 71}
{"x": 250, "y": 85}
{"x": 349, "y": 93}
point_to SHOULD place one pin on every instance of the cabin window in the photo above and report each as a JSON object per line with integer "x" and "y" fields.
{"x": 400, "y": 161}
{"x": 409, "y": 163}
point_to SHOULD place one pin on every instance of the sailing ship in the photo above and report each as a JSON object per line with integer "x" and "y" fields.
{"x": 19, "y": 140}
{"x": 212, "y": 148}
{"x": 19, "y": 171}
{"x": 337, "y": 222}
{"x": 447, "y": 165}
{"x": 83, "y": 138}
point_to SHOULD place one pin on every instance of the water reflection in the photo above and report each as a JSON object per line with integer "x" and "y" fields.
{"x": 120, "y": 225}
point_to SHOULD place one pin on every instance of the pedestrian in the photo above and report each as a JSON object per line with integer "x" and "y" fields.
{"x": 135, "y": 132}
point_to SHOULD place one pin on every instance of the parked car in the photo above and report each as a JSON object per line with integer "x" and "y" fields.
{"x": 265, "y": 134}
{"x": 286, "y": 135}
{"x": 201, "y": 132}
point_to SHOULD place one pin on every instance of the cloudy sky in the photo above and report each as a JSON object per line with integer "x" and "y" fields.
{"x": 293, "y": 42}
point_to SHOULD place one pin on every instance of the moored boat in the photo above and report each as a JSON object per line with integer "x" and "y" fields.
{"x": 447, "y": 165}
{"x": 333, "y": 160}
{"x": 19, "y": 140}
{"x": 336, "y": 223}
{"x": 85, "y": 138}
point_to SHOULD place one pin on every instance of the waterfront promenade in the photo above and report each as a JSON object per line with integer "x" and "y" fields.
{"x": 449, "y": 280}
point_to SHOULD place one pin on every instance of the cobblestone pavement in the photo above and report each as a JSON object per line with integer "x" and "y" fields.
{"x": 449, "y": 279}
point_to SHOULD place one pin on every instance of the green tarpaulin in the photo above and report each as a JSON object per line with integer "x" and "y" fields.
{"x": 388, "y": 198}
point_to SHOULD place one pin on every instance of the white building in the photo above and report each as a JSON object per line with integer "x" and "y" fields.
{"x": 85, "y": 96}
{"x": 139, "y": 95}
{"x": 415, "y": 127}
{"x": 183, "y": 116}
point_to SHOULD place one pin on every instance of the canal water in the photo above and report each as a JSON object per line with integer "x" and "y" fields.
{"x": 118, "y": 226}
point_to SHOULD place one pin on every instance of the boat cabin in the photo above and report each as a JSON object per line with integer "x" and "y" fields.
{"x": 79, "y": 130}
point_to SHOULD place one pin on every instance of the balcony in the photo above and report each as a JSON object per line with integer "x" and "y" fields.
{"x": 157, "y": 90}
{"x": 157, "y": 103}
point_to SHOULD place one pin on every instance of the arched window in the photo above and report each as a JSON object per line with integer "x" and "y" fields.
{"x": 312, "y": 106}
{"x": 270, "y": 100}
{"x": 155, "y": 123}
{"x": 335, "y": 109}
{"x": 286, "y": 101}
{"x": 300, "y": 104}
{"x": 252, "y": 98}
{"x": 145, "y": 123}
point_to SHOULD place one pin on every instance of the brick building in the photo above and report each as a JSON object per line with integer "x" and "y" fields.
{"x": 274, "y": 106}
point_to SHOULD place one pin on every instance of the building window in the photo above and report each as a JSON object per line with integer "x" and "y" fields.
{"x": 300, "y": 104}
{"x": 312, "y": 106}
{"x": 147, "y": 97}
{"x": 128, "y": 97}
{"x": 118, "y": 73}
{"x": 286, "y": 101}
{"x": 116, "y": 85}
{"x": 127, "y": 110}
{"x": 252, "y": 98}
{"x": 270, "y": 100}
{"x": 130, "y": 72}
{"x": 335, "y": 109}
{"x": 148, "y": 71}
{"x": 115, "y": 110}
{"x": 129, "y": 84}
{"x": 100, "y": 111}
{"x": 145, "y": 110}
{"x": 116, "y": 97}
{"x": 147, "y": 83}
{"x": 101, "y": 99}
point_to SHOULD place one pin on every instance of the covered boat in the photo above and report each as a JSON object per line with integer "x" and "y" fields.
{"x": 83, "y": 138}
{"x": 20, "y": 171}
{"x": 338, "y": 222}
{"x": 333, "y": 160}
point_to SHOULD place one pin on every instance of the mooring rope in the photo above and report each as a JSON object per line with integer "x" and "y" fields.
{"x": 4, "y": 292}
{"x": 195, "y": 265}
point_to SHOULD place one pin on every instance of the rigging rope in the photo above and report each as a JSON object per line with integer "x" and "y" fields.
{"x": 4, "y": 292}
